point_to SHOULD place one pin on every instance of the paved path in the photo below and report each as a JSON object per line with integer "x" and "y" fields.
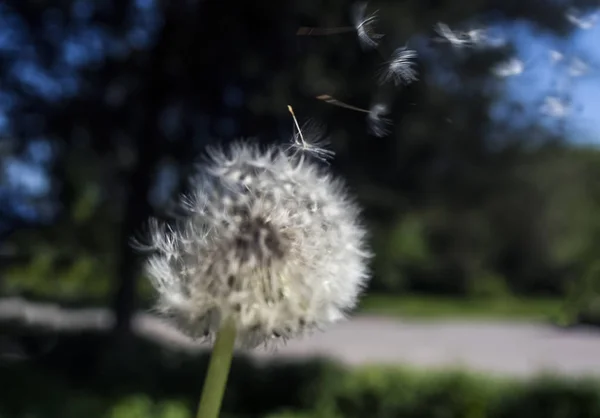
{"x": 515, "y": 349}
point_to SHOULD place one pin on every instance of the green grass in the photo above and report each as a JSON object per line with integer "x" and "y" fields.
{"x": 433, "y": 307}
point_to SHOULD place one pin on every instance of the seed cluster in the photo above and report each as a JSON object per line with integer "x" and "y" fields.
{"x": 271, "y": 240}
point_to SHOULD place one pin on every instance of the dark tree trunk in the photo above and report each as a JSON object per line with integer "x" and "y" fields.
{"x": 138, "y": 209}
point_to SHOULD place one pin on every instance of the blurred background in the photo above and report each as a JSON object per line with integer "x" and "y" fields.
{"x": 482, "y": 196}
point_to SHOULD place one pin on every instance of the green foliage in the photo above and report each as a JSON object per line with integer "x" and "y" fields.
{"x": 378, "y": 393}
{"x": 329, "y": 392}
{"x": 420, "y": 306}
{"x": 551, "y": 397}
{"x": 84, "y": 376}
{"x": 532, "y": 230}
{"x": 401, "y": 252}
{"x": 291, "y": 414}
{"x": 49, "y": 275}
{"x": 582, "y": 303}
{"x": 489, "y": 286}
{"x": 382, "y": 393}
{"x": 141, "y": 406}
{"x": 134, "y": 406}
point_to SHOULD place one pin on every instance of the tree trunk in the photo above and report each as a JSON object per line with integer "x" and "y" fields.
{"x": 138, "y": 209}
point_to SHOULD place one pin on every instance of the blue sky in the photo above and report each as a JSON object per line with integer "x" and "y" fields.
{"x": 545, "y": 77}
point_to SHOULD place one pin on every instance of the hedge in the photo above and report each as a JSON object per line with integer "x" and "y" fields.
{"x": 160, "y": 384}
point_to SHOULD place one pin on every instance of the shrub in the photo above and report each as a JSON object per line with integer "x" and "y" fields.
{"x": 388, "y": 393}
{"x": 159, "y": 385}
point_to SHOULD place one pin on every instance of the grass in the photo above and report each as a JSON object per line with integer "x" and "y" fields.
{"x": 436, "y": 307}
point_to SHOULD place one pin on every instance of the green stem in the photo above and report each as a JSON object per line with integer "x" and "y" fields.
{"x": 218, "y": 370}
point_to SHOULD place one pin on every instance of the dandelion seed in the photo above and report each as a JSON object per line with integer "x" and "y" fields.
{"x": 493, "y": 41}
{"x": 556, "y": 56}
{"x": 458, "y": 39}
{"x": 479, "y": 37}
{"x": 332, "y": 100}
{"x": 364, "y": 26}
{"x": 583, "y": 22}
{"x": 509, "y": 68}
{"x": 447, "y": 35}
{"x": 317, "y": 144}
{"x": 400, "y": 68}
{"x": 577, "y": 68}
{"x": 296, "y": 123}
{"x": 378, "y": 125}
{"x": 554, "y": 107}
{"x": 272, "y": 243}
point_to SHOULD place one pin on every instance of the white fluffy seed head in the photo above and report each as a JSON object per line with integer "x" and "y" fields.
{"x": 509, "y": 68}
{"x": 271, "y": 241}
{"x": 459, "y": 39}
{"x": 378, "y": 124}
{"x": 580, "y": 20}
{"x": 310, "y": 141}
{"x": 363, "y": 24}
{"x": 400, "y": 68}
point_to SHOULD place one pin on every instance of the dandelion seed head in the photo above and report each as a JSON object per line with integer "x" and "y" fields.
{"x": 271, "y": 241}
{"x": 363, "y": 24}
{"x": 477, "y": 35}
{"x": 577, "y": 67}
{"x": 556, "y": 56}
{"x": 472, "y": 38}
{"x": 554, "y": 107}
{"x": 378, "y": 124}
{"x": 400, "y": 68}
{"x": 456, "y": 39}
{"x": 509, "y": 68}
{"x": 311, "y": 141}
{"x": 577, "y": 18}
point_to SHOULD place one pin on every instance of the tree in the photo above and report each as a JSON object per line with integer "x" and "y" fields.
{"x": 136, "y": 89}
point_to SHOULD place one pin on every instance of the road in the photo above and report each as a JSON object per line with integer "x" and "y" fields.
{"x": 503, "y": 348}
{"x": 508, "y": 348}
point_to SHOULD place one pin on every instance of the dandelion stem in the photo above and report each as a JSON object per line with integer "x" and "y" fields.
{"x": 218, "y": 370}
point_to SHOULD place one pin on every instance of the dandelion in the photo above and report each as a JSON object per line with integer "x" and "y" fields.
{"x": 583, "y": 22}
{"x": 509, "y": 68}
{"x": 399, "y": 68}
{"x": 556, "y": 56}
{"x": 554, "y": 107}
{"x": 363, "y": 24}
{"x": 378, "y": 125}
{"x": 271, "y": 241}
{"x": 272, "y": 248}
{"x": 316, "y": 146}
{"x": 333, "y": 101}
{"x": 472, "y": 38}
{"x": 577, "y": 67}
{"x": 458, "y": 39}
